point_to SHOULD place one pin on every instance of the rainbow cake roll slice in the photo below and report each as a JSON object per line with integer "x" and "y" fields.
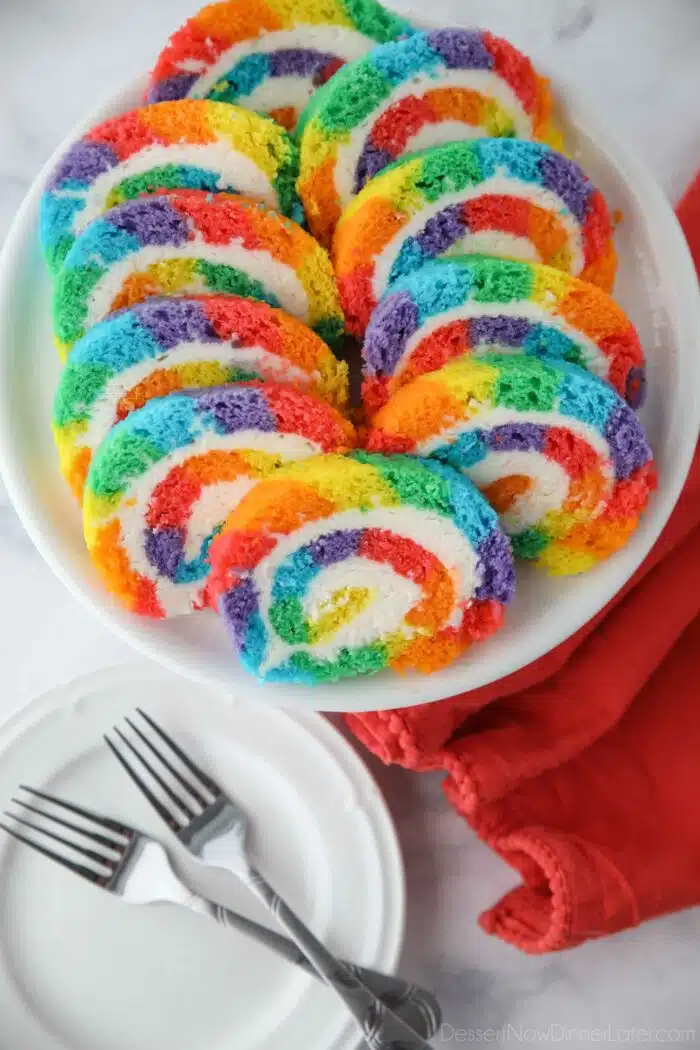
{"x": 164, "y": 345}
{"x": 189, "y": 242}
{"x": 164, "y": 479}
{"x": 474, "y": 304}
{"x": 555, "y": 450}
{"x": 428, "y": 89}
{"x": 346, "y": 565}
{"x": 268, "y": 55}
{"x": 192, "y": 144}
{"x": 502, "y": 197}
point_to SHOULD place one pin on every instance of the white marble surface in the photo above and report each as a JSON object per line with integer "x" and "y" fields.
{"x": 637, "y": 60}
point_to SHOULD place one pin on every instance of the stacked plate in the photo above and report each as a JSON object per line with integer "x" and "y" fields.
{"x": 80, "y": 968}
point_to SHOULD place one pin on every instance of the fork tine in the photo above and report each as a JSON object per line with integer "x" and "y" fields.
{"x": 193, "y": 791}
{"x": 79, "y": 869}
{"x": 207, "y": 781}
{"x": 172, "y": 795}
{"x": 102, "y": 839}
{"x": 162, "y": 810}
{"x": 105, "y": 822}
{"x": 91, "y": 854}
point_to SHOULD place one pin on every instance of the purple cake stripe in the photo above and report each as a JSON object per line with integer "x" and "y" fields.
{"x": 153, "y": 220}
{"x": 629, "y": 447}
{"x": 164, "y": 549}
{"x": 175, "y": 321}
{"x": 372, "y": 160}
{"x": 83, "y": 163}
{"x": 566, "y": 179}
{"x": 236, "y": 408}
{"x": 172, "y": 88}
{"x": 237, "y": 606}
{"x": 298, "y": 62}
{"x": 461, "y": 48}
{"x": 335, "y": 546}
{"x": 507, "y": 331}
{"x": 496, "y": 563}
{"x": 394, "y": 322}
{"x": 516, "y": 437}
{"x": 442, "y": 231}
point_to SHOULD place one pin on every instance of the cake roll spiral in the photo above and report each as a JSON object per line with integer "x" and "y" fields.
{"x": 428, "y": 89}
{"x": 190, "y": 144}
{"x": 268, "y": 55}
{"x": 478, "y": 304}
{"x": 191, "y": 242}
{"x": 501, "y": 197}
{"x": 555, "y": 450}
{"x": 166, "y": 344}
{"x": 346, "y": 565}
{"x": 164, "y": 479}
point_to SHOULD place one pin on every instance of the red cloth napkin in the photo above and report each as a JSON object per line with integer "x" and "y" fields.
{"x": 582, "y": 770}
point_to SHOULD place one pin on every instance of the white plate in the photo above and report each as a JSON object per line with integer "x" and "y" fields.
{"x": 80, "y": 969}
{"x": 656, "y": 284}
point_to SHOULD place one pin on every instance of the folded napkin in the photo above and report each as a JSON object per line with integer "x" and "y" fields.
{"x": 582, "y": 770}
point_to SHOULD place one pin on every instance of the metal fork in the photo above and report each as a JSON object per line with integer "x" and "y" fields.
{"x": 213, "y": 827}
{"x": 135, "y": 867}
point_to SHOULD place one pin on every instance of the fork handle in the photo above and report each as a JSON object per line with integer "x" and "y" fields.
{"x": 382, "y": 1028}
{"x": 418, "y": 1007}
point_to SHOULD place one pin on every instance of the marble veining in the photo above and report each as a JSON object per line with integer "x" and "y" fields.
{"x": 637, "y": 61}
{"x": 574, "y": 24}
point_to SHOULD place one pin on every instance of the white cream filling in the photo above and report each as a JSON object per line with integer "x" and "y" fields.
{"x": 550, "y": 481}
{"x": 250, "y": 358}
{"x": 236, "y": 171}
{"x": 211, "y": 509}
{"x": 548, "y": 491}
{"x": 278, "y": 93}
{"x": 342, "y": 41}
{"x": 496, "y": 242}
{"x": 431, "y": 135}
{"x": 481, "y": 80}
{"x": 213, "y": 506}
{"x": 386, "y": 613}
{"x": 501, "y": 185}
{"x": 275, "y": 276}
{"x": 393, "y": 596}
{"x": 596, "y": 362}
